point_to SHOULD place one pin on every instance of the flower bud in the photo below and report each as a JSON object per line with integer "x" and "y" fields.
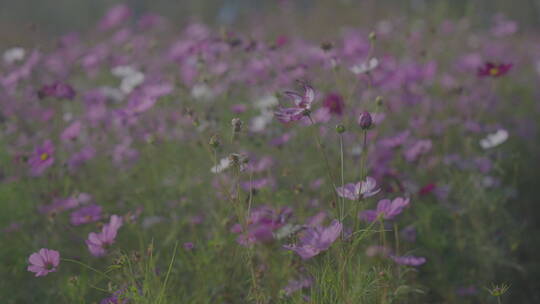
{"x": 372, "y": 36}
{"x": 340, "y": 129}
{"x": 379, "y": 101}
{"x": 365, "y": 121}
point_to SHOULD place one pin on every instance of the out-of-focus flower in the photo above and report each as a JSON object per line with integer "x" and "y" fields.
{"x": 386, "y": 208}
{"x": 58, "y": 90}
{"x": 98, "y": 242}
{"x": 44, "y": 261}
{"x": 356, "y": 191}
{"x": 85, "y": 215}
{"x": 302, "y": 105}
{"x": 315, "y": 240}
{"x": 295, "y": 285}
{"x": 494, "y": 139}
{"x": 333, "y": 102}
{"x": 418, "y": 148}
{"x": 365, "y": 67}
{"x": 42, "y": 158}
{"x": 409, "y": 260}
{"x": 13, "y": 55}
{"x": 71, "y": 132}
{"x": 490, "y": 69}
{"x": 263, "y": 223}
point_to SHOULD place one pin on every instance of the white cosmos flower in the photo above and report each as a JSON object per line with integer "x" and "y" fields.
{"x": 131, "y": 77}
{"x": 224, "y": 163}
{"x": 494, "y": 139}
{"x": 365, "y": 66}
{"x": 13, "y": 55}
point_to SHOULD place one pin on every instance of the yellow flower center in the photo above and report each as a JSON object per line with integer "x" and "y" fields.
{"x": 494, "y": 71}
{"x": 44, "y": 156}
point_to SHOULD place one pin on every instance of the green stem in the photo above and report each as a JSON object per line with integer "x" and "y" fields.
{"x": 88, "y": 267}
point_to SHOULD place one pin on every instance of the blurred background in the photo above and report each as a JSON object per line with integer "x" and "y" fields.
{"x": 24, "y": 21}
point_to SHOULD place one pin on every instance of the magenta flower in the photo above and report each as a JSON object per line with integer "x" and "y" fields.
{"x": 490, "y": 69}
{"x": 85, "y": 215}
{"x": 58, "y": 90}
{"x": 385, "y": 208}
{"x": 41, "y": 159}
{"x": 334, "y": 103}
{"x": 44, "y": 261}
{"x": 71, "y": 132}
{"x": 315, "y": 240}
{"x": 98, "y": 242}
{"x": 263, "y": 222}
{"x": 409, "y": 260}
{"x": 302, "y": 105}
{"x": 355, "y": 191}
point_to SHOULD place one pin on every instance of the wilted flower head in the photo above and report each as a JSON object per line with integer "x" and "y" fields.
{"x": 315, "y": 240}
{"x": 44, "y": 261}
{"x": 386, "y": 208}
{"x": 302, "y": 105}
{"x": 362, "y": 189}
{"x": 98, "y": 242}
{"x": 490, "y": 69}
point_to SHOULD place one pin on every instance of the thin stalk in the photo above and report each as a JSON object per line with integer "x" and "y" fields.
{"x": 325, "y": 157}
{"x": 88, "y": 267}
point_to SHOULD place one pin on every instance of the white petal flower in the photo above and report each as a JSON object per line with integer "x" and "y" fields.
{"x": 13, "y": 55}
{"x": 365, "y": 66}
{"x": 495, "y": 139}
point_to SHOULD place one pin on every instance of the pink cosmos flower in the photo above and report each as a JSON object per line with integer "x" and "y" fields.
{"x": 490, "y": 69}
{"x": 87, "y": 214}
{"x": 41, "y": 159}
{"x": 98, "y": 242}
{"x": 385, "y": 208}
{"x": 315, "y": 240}
{"x": 44, "y": 261}
{"x": 71, "y": 132}
{"x": 302, "y": 105}
{"x": 334, "y": 103}
{"x": 355, "y": 191}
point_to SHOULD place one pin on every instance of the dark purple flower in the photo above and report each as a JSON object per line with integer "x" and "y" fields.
{"x": 490, "y": 69}
{"x": 427, "y": 189}
{"x": 315, "y": 240}
{"x": 302, "y": 105}
{"x": 42, "y": 158}
{"x": 409, "y": 260}
{"x": 333, "y": 102}
{"x": 98, "y": 242}
{"x": 44, "y": 261}
{"x": 385, "y": 208}
{"x": 58, "y": 90}
{"x": 85, "y": 215}
{"x": 356, "y": 191}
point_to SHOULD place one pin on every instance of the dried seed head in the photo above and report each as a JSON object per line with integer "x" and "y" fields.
{"x": 236, "y": 124}
{"x": 214, "y": 141}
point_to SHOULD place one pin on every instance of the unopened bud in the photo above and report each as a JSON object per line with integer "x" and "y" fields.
{"x": 365, "y": 121}
{"x": 327, "y": 46}
{"x": 340, "y": 129}
{"x": 372, "y": 36}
